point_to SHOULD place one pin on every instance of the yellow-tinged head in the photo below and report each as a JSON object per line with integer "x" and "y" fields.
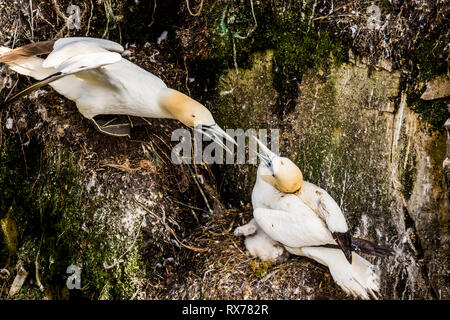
{"x": 185, "y": 109}
{"x": 193, "y": 114}
{"x": 279, "y": 172}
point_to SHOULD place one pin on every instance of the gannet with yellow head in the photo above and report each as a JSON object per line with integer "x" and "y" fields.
{"x": 93, "y": 73}
{"x": 298, "y": 215}
{"x": 285, "y": 176}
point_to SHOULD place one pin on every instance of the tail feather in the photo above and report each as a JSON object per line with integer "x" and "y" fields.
{"x": 365, "y": 246}
{"x": 25, "y": 62}
{"x": 360, "y": 279}
{"x": 368, "y": 247}
{"x": 27, "y": 51}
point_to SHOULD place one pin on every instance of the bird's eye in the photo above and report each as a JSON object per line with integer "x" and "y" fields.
{"x": 193, "y": 116}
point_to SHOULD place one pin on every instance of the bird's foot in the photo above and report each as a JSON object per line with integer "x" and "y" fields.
{"x": 245, "y": 230}
{"x": 282, "y": 258}
{"x": 113, "y": 127}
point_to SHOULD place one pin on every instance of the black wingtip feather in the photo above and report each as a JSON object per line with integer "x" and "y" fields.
{"x": 365, "y": 246}
{"x": 344, "y": 240}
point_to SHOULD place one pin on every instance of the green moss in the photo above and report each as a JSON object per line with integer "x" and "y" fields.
{"x": 430, "y": 56}
{"x": 130, "y": 21}
{"x": 447, "y": 179}
{"x": 283, "y": 27}
{"x": 245, "y": 102}
{"x": 9, "y": 230}
{"x": 118, "y": 282}
{"x": 54, "y": 218}
{"x": 273, "y": 54}
{"x": 303, "y": 48}
{"x": 42, "y": 184}
{"x": 299, "y": 47}
{"x": 29, "y": 292}
{"x": 429, "y": 61}
{"x": 259, "y": 268}
{"x": 14, "y": 189}
{"x": 408, "y": 175}
{"x": 385, "y": 6}
{"x": 435, "y": 112}
{"x": 337, "y": 143}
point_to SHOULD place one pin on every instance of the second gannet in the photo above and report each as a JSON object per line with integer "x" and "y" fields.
{"x": 289, "y": 179}
{"x": 93, "y": 73}
{"x": 303, "y": 217}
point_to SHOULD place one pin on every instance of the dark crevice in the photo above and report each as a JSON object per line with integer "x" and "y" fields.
{"x": 410, "y": 224}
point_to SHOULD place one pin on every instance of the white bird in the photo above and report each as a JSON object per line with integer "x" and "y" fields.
{"x": 305, "y": 219}
{"x": 93, "y": 73}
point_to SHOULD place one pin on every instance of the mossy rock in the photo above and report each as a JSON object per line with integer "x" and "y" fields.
{"x": 246, "y": 100}
{"x": 55, "y": 219}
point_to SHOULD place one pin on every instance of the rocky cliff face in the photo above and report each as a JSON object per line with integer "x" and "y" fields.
{"x": 366, "y": 125}
{"x": 379, "y": 160}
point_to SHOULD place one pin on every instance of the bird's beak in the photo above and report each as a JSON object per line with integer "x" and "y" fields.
{"x": 265, "y": 155}
{"x": 216, "y": 133}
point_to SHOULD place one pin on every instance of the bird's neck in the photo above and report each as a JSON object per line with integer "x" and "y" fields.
{"x": 174, "y": 103}
{"x": 263, "y": 193}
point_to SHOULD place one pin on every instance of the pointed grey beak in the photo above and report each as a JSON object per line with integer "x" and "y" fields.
{"x": 216, "y": 133}
{"x": 266, "y": 155}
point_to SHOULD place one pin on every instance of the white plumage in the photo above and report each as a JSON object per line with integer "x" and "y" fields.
{"x": 258, "y": 243}
{"x": 324, "y": 205}
{"x": 93, "y": 73}
{"x": 302, "y": 220}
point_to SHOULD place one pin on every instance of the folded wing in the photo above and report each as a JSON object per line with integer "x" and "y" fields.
{"x": 293, "y": 224}
{"x": 68, "y": 48}
{"x": 329, "y": 211}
